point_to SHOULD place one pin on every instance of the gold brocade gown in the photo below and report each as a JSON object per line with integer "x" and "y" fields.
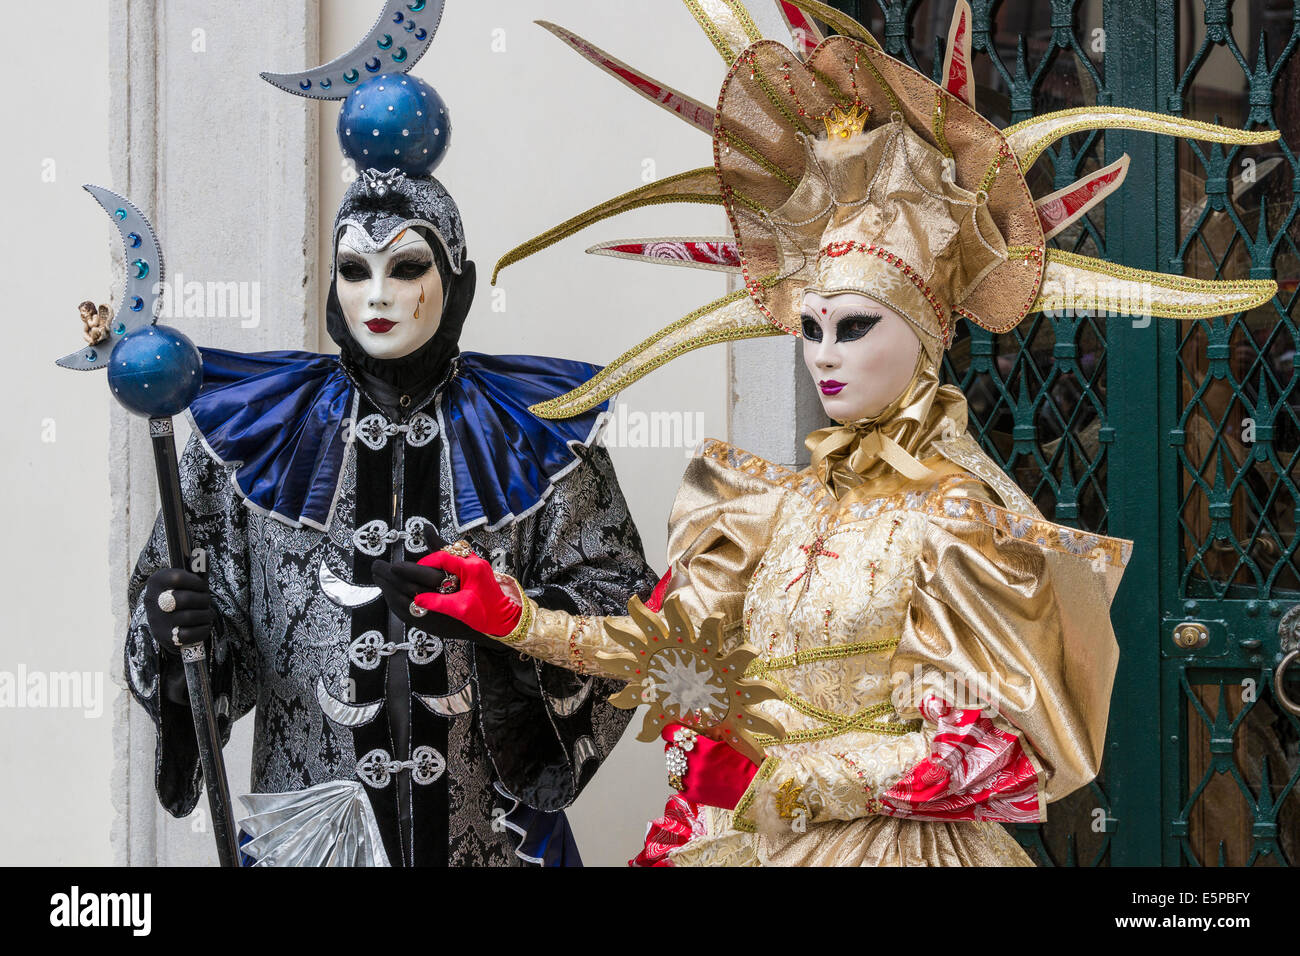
{"x": 945, "y": 653}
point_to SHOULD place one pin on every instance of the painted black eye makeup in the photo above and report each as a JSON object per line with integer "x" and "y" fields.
{"x": 353, "y": 268}
{"x": 853, "y": 327}
{"x": 812, "y": 330}
{"x": 411, "y": 266}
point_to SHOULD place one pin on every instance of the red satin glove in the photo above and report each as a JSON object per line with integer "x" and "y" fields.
{"x": 479, "y": 603}
{"x": 717, "y": 775}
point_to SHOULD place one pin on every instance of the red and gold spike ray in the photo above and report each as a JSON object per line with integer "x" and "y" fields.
{"x": 803, "y": 29}
{"x": 957, "y": 76}
{"x": 1065, "y": 206}
{"x": 684, "y": 107}
{"x": 839, "y": 22}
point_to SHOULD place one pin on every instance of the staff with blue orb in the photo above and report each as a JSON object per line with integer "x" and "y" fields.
{"x": 155, "y": 372}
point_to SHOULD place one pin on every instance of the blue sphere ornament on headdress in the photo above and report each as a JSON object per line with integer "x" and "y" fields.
{"x": 395, "y": 120}
{"x": 155, "y": 372}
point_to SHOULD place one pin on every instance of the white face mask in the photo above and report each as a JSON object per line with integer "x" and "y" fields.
{"x": 391, "y": 298}
{"x": 861, "y": 354}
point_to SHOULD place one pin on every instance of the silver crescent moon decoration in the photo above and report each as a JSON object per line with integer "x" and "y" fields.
{"x": 144, "y": 277}
{"x": 450, "y": 705}
{"x": 343, "y": 713}
{"x": 394, "y": 44}
{"x": 341, "y": 592}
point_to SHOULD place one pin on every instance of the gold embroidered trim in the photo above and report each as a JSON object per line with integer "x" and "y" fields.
{"x": 940, "y": 115}
{"x": 942, "y": 313}
{"x": 835, "y": 652}
{"x": 711, "y": 30}
{"x": 991, "y": 174}
{"x": 757, "y": 75}
{"x": 525, "y": 623}
{"x": 966, "y": 452}
{"x": 1121, "y": 117}
{"x": 739, "y": 821}
{"x": 732, "y": 139}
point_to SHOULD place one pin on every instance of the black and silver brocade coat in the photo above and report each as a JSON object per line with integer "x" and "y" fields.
{"x": 325, "y": 688}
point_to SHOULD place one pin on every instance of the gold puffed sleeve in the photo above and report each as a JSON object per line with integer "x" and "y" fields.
{"x": 1012, "y": 613}
{"x": 720, "y": 525}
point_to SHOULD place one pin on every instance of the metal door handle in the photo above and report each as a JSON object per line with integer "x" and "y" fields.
{"x": 1279, "y": 688}
{"x": 1288, "y": 633}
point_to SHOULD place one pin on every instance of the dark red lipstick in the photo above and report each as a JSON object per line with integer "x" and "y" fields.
{"x": 380, "y": 326}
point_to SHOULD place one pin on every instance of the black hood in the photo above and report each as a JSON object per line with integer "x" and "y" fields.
{"x": 382, "y": 205}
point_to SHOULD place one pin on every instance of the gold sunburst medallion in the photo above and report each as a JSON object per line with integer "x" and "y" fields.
{"x": 686, "y": 677}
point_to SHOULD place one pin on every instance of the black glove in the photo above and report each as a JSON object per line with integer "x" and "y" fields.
{"x": 190, "y": 621}
{"x": 402, "y": 581}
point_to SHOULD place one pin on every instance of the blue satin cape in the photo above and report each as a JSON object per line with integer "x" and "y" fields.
{"x": 279, "y": 420}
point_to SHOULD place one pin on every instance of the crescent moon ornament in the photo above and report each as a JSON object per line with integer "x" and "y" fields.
{"x": 144, "y": 277}
{"x": 394, "y": 44}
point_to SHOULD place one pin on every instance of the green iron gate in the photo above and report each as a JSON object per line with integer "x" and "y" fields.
{"x": 1184, "y": 437}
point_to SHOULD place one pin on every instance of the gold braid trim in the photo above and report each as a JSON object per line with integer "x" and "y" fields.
{"x": 527, "y": 609}
{"x": 1222, "y": 296}
{"x": 734, "y": 139}
{"x": 739, "y": 820}
{"x": 760, "y": 77}
{"x": 1121, "y": 117}
{"x": 709, "y": 24}
{"x": 888, "y": 90}
{"x": 940, "y": 115}
{"x": 760, "y": 668}
{"x": 635, "y": 199}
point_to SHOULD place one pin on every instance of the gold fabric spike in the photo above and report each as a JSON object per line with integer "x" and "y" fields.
{"x": 695, "y": 186}
{"x": 1028, "y": 139}
{"x": 727, "y": 23}
{"x": 1075, "y": 283}
{"x": 728, "y": 319}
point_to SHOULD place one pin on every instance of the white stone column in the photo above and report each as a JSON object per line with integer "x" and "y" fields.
{"x": 225, "y": 166}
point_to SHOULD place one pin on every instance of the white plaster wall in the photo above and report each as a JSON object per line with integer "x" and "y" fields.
{"x": 54, "y": 764}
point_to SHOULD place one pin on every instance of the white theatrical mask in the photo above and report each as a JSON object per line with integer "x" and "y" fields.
{"x": 391, "y": 297}
{"x": 861, "y": 353}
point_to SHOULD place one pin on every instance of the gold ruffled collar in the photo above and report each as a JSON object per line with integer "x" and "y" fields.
{"x": 889, "y": 449}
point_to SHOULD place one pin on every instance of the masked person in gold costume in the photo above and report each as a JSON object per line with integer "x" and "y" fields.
{"x": 939, "y": 656}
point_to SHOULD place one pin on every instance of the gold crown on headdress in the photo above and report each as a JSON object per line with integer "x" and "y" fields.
{"x": 845, "y": 124}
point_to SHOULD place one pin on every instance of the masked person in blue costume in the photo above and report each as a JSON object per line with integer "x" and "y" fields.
{"x": 386, "y": 735}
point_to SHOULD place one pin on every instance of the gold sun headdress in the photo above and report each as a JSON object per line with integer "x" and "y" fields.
{"x": 844, "y": 169}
